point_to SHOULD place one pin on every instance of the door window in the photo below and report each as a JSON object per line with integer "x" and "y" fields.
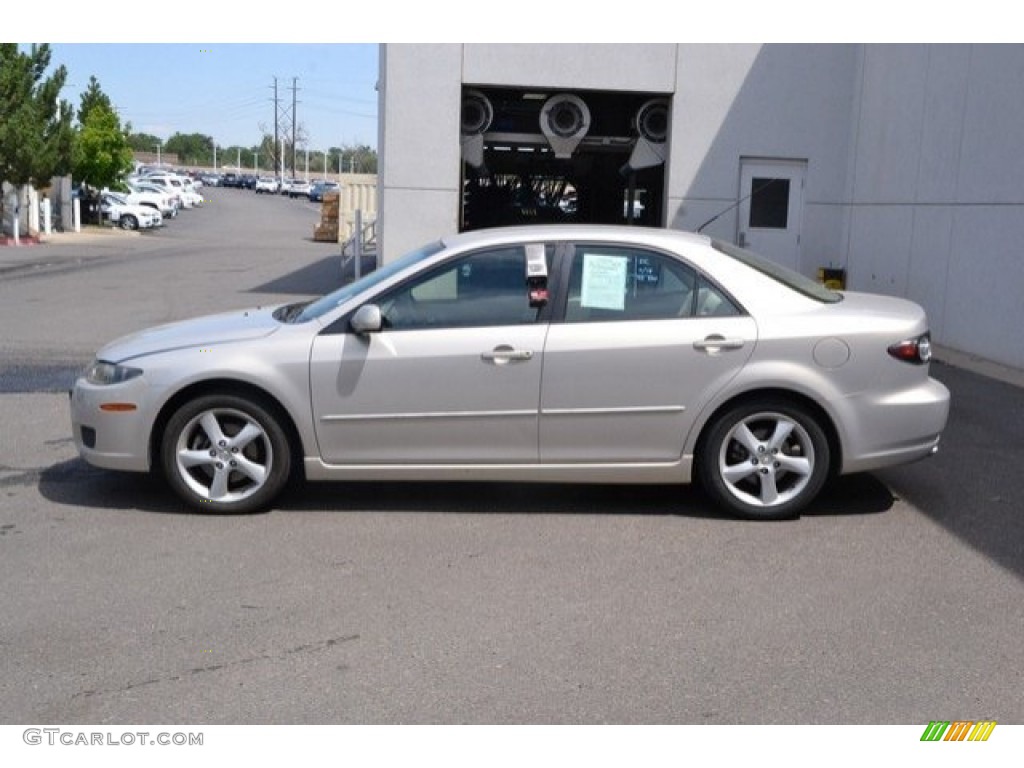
{"x": 611, "y": 283}
{"x": 486, "y": 288}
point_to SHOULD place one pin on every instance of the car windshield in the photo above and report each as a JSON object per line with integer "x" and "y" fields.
{"x": 788, "y": 277}
{"x": 337, "y": 298}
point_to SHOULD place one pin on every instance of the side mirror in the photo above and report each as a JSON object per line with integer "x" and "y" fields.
{"x": 367, "y": 319}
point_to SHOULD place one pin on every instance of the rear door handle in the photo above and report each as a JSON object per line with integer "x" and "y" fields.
{"x": 716, "y": 343}
{"x": 504, "y": 354}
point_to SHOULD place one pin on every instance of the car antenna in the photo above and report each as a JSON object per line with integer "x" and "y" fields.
{"x": 738, "y": 202}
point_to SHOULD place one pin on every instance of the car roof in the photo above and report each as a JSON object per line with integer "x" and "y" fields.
{"x": 668, "y": 238}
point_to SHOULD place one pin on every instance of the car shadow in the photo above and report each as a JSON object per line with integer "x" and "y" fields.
{"x": 314, "y": 279}
{"x": 971, "y": 487}
{"x": 75, "y": 483}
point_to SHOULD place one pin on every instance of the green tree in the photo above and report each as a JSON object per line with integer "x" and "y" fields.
{"x": 93, "y": 97}
{"x": 191, "y": 148}
{"x": 357, "y": 159}
{"x": 35, "y": 126}
{"x": 102, "y": 156}
{"x": 143, "y": 142}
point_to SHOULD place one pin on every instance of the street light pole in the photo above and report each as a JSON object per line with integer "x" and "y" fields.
{"x": 158, "y": 152}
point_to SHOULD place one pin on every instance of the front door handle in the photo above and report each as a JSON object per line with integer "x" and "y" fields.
{"x": 504, "y": 354}
{"x": 716, "y": 343}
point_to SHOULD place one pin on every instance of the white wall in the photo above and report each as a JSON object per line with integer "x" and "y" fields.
{"x": 609, "y": 67}
{"x": 419, "y": 159}
{"x": 937, "y": 211}
{"x": 914, "y": 171}
{"x": 776, "y": 101}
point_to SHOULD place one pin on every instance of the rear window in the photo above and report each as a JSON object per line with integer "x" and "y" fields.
{"x": 787, "y": 277}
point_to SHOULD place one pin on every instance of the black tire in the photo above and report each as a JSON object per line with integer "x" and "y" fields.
{"x": 764, "y": 459}
{"x": 128, "y": 222}
{"x": 225, "y": 454}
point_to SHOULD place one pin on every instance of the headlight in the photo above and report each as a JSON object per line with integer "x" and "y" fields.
{"x": 104, "y": 374}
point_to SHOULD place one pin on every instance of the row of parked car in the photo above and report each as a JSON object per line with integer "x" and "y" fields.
{"x": 146, "y": 200}
{"x": 314, "y": 190}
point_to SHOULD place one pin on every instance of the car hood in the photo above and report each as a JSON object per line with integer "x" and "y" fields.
{"x": 224, "y": 328}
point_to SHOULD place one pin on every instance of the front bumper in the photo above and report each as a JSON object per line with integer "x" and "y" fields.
{"x": 105, "y": 434}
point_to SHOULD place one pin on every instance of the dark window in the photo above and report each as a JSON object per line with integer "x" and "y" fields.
{"x": 711, "y": 302}
{"x": 769, "y": 203}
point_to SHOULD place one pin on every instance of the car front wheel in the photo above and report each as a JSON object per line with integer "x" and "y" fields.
{"x": 764, "y": 459}
{"x": 129, "y": 222}
{"x": 225, "y": 454}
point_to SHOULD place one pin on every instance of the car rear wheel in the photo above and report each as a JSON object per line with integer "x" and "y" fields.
{"x": 129, "y": 222}
{"x": 225, "y": 454}
{"x": 764, "y": 459}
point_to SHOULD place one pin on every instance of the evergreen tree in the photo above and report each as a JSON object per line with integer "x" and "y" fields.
{"x": 35, "y": 126}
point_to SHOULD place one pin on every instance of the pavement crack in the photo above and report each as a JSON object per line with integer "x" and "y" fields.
{"x": 317, "y": 647}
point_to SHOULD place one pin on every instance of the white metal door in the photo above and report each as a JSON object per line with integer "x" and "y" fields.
{"x": 771, "y": 208}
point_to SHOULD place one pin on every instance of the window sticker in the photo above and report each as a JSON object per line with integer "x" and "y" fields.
{"x": 604, "y": 281}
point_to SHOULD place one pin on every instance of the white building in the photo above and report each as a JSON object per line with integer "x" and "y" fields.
{"x": 899, "y": 164}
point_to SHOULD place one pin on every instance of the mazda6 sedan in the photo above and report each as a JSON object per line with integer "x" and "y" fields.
{"x": 553, "y": 353}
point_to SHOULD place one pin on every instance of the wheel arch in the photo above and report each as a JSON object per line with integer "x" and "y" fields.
{"x": 227, "y": 387}
{"x": 779, "y": 393}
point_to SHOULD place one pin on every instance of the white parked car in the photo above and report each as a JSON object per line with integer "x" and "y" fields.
{"x": 151, "y": 198}
{"x": 267, "y": 184}
{"x": 299, "y": 188}
{"x": 126, "y": 215}
{"x": 189, "y": 196}
{"x": 173, "y": 194}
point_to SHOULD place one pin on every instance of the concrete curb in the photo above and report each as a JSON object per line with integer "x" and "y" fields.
{"x": 979, "y": 365}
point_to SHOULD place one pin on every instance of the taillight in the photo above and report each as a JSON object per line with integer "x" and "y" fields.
{"x": 917, "y": 351}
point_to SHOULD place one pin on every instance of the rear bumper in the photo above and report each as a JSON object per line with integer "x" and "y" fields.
{"x": 895, "y": 427}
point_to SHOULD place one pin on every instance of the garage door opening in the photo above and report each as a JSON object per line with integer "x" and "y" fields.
{"x": 533, "y": 156}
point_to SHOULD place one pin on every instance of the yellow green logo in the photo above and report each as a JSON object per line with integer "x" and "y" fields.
{"x": 958, "y": 730}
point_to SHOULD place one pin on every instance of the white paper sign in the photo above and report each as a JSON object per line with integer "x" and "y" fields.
{"x": 604, "y": 281}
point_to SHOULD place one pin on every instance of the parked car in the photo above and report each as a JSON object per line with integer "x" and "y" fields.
{"x": 126, "y": 215}
{"x": 180, "y": 185}
{"x": 286, "y": 185}
{"x": 267, "y": 185}
{"x": 552, "y": 353}
{"x": 158, "y": 200}
{"x": 318, "y": 189}
{"x": 298, "y": 188}
{"x": 173, "y": 194}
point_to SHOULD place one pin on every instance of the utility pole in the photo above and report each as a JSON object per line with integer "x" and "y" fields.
{"x": 284, "y": 125}
{"x": 277, "y": 120}
{"x": 295, "y": 119}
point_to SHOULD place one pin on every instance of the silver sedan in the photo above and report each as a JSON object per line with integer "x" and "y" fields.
{"x": 558, "y": 354}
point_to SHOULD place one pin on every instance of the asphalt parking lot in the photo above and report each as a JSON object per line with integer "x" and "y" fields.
{"x": 896, "y": 599}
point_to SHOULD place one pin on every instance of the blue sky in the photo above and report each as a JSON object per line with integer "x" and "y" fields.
{"x": 225, "y": 90}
